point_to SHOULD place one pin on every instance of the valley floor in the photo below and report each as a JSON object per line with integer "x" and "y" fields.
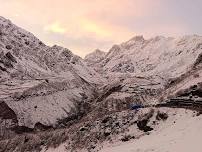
{"x": 181, "y": 132}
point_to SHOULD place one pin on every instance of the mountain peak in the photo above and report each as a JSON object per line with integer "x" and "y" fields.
{"x": 95, "y": 56}
{"x": 137, "y": 38}
{"x": 133, "y": 41}
{"x": 98, "y": 51}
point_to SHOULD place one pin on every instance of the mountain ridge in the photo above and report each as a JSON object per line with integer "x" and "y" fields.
{"x": 50, "y": 96}
{"x": 31, "y": 72}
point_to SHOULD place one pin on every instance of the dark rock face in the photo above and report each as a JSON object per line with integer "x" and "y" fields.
{"x": 7, "y": 60}
{"x": 8, "y": 120}
{"x": 22, "y": 129}
{"x": 198, "y": 61}
{"x": 11, "y": 57}
{"x": 6, "y": 112}
{"x": 3, "y": 69}
{"x": 8, "y": 47}
{"x": 41, "y": 127}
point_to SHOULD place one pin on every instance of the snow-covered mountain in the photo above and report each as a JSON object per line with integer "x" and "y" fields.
{"x": 61, "y": 98}
{"x": 151, "y": 65}
{"x": 40, "y": 84}
{"x": 94, "y": 57}
{"x": 161, "y": 56}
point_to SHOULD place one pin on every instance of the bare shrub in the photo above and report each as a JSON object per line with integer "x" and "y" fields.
{"x": 161, "y": 116}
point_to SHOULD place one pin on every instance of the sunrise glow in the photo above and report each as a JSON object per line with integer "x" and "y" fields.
{"x": 100, "y": 24}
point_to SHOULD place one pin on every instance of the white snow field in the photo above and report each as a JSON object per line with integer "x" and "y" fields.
{"x": 180, "y": 133}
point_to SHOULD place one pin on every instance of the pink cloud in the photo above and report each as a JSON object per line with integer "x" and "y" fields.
{"x": 100, "y": 20}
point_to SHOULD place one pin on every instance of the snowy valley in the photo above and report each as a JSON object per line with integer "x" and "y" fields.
{"x": 53, "y": 100}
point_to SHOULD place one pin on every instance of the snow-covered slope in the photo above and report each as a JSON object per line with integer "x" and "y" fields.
{"x": 181, "y": 132}
{"x": 22, "y": 52}
{"x": 41, "y": 84}
{"x": 94, "y": 57}
{"x": 165, "y": 57}
{"x": 159, "y": 60}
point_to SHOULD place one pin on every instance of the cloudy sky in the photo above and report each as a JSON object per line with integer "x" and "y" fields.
{"x": 84, "y": 25}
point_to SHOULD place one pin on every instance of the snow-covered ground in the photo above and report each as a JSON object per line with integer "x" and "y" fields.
{"x": 61, "y": 148}
{"x": 180, "y": 133}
